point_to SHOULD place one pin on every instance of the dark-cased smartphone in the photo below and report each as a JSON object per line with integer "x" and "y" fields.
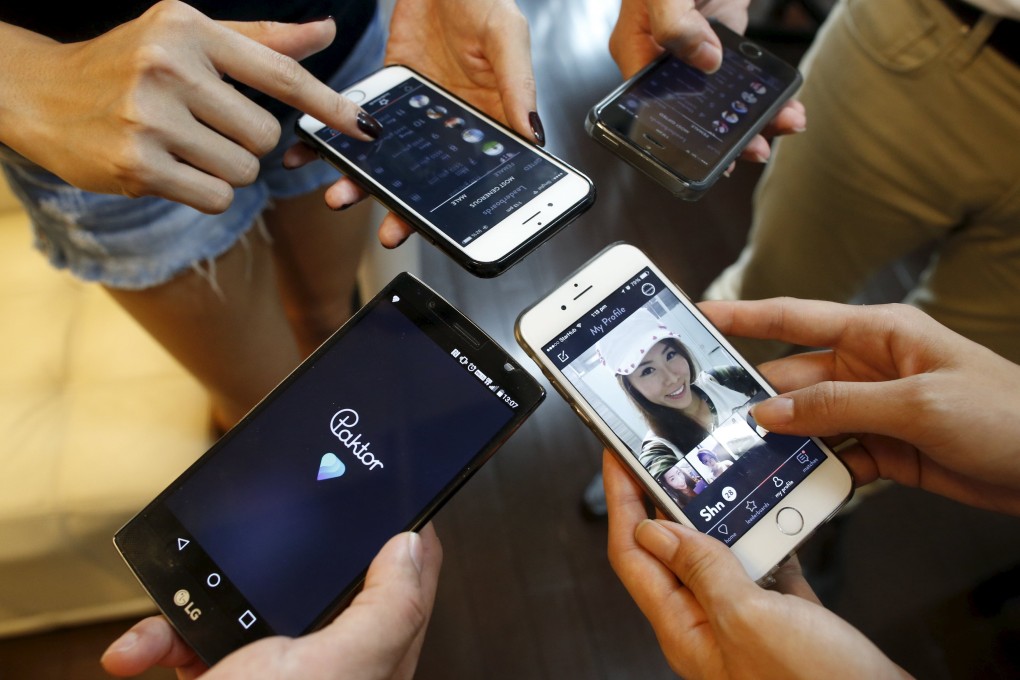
{"x": 472, "y": 187}
{"x": 272, "y": 530}
{"x": 665, "y": 391}
{"x": 683, "y": 128}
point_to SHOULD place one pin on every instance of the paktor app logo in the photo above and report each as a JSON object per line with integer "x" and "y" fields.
{"x": 330, "y": 466}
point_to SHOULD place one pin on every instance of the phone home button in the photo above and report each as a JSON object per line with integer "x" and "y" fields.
{"x": 790, "y": 521}
{"x": 750, "y": 50}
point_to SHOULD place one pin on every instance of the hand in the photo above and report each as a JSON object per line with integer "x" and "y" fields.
{"x": 710, "y": 618}
{"x": 143, "y": 109}
{"x": 378, "y": 636}
{"x": 478, "y": 49}
{"x": 927, "y": 407}
{"x": 646, "y": 28}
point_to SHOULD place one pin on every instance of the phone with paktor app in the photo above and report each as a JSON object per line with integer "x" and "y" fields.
{"x": 683, "y": 128}
{"x": 272, "y": 530}
{"x": 665, "y": 391}
{"x": 472, "y": 187}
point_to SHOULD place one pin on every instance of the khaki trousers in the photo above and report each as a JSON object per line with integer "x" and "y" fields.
{"x": 913, "y": 141}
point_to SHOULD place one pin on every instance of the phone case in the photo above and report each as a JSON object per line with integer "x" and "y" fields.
{"x": 480, "y": 269}
{"x": 662, "y": 173}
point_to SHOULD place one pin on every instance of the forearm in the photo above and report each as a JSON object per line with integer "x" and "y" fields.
{"x": 27, "y": 68}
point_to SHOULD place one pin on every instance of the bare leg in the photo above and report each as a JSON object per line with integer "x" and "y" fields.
{"x": 237, "y": 343}
{"x": 316, "y": 251}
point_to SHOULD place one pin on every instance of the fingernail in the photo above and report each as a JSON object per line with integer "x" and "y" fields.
{"x": 328, "y": 17}
{"x": 345, "y": 206}
{"x": 655, "y": 538}
{"x": 415, "y": 550}
{"x": 123, "y": 643}
{"x": 537, "y": 127}
{"x": 369, "y": 125}
{"x": 726, "y": 173}
{"x": 707, "y": 57}
{"x": 774, "y": 411}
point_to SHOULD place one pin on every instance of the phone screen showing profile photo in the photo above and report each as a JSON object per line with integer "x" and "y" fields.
{"x": 270, "y": 527}
{"x": 449, "y": 165}
{"x": 681, "y": 403}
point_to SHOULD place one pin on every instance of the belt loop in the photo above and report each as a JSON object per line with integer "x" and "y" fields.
{"x": 975, "y": 38}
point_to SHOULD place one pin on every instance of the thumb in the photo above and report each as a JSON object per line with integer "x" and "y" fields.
{"x": 297, "y": 41}
{"x": 832, "y": 408}
{"x": 387, "y": 618}
{"x": 703, "y": 564}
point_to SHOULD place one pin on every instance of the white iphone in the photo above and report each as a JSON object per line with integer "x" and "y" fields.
{"x": 664, "y": 390}
{"x": 469, "y": 185}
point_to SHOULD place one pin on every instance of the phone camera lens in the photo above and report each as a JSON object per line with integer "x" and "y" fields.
{"x": 563, "y": 307}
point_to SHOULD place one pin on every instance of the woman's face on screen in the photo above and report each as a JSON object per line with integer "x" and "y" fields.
{"x": 676, "y": 479}
{"x": 664, "y": 377}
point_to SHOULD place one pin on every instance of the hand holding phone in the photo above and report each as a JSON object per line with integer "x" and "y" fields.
{"x": 469, "y": 185}
{"x": 704, "y": 607}
{"x": 684, "y": 128}
{"x": 667, "y": 393}
{"x": 271, "y": 531}
{"x": 378, "y": 636}
{"x": 908, "y": 383}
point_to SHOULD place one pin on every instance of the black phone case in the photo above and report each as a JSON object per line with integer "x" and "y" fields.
{"x": 670, "y": 178}
{"x": 480, "y": 269}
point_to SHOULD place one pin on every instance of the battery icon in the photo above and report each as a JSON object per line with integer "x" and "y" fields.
{"x": 500, "y": 393}
{"x": 644, "y": 274}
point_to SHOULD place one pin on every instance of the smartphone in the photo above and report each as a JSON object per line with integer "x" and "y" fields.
{"x": 469, "y": 185}
{"x": 271, "y": 531}
{"x": 664, "y": 390}
{"x": 683, "y": 128}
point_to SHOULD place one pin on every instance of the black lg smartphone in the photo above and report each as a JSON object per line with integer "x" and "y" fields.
{"x": 474, "y": 188}
{"x": 683, "y": 128}
{"x": 271, "y": 531}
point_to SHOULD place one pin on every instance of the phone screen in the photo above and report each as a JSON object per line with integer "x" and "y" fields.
{"x": 452, "y": 167}
{"x": 690, "y": 121}
{"x": 680, "y": 401}
{"x": 269, "y": 530}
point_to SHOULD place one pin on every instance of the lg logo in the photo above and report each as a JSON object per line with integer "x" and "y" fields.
{"x": 182, "y": 598}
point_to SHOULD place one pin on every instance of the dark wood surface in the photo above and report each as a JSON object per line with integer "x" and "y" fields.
{"x": 526, "y": 590}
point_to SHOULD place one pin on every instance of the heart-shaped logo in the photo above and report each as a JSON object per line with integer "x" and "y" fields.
{"x": 330, "y": 466}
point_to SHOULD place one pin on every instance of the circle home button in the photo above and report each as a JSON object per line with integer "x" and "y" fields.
{"x": 790, "y": 521}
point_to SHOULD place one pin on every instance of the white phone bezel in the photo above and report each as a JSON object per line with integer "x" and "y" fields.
{"x": 763, "y": 547}
{"x": 505, "y": 236}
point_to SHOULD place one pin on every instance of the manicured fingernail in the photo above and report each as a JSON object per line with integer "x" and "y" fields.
{"x": 727, "y": 173}
{"x": 774, "y": 411}
{"x": 328, "y": 17}
{"x": 415, "y": 550}
{"x": 369, "y": 125}
{"x": 537, "y": 127}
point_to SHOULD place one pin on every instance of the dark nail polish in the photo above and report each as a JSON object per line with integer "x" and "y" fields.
{"x": 369, "y": 125}
{"x": 345, "y": 206}
{"x": 537, "y": 128}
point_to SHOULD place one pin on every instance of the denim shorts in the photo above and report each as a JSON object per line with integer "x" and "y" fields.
{"x": 135, "y": 243}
